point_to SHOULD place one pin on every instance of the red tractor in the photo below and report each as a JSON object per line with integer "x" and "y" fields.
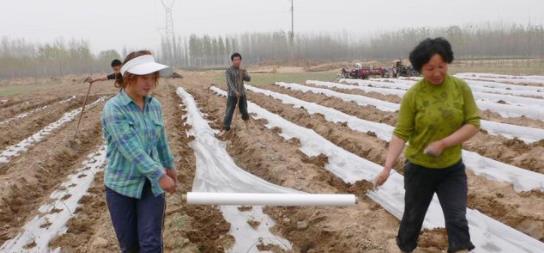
{"x": 360, "y": 72}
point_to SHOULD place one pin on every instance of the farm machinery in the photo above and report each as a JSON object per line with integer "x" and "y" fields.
{"x": 363, "y": 72}
{"x": 400, "y": 69}
{"x": 360, "y": 72}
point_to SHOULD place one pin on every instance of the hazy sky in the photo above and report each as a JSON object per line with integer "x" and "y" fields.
{"x": 139, "y": 23}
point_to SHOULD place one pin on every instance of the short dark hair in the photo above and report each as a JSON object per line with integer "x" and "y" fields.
{"x": 423, "y": 52}
{"x": 116, "y": 62}
{"x": 235, "y": 55}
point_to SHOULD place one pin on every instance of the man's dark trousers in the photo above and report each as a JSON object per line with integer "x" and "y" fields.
{"x": 231, "y": 106}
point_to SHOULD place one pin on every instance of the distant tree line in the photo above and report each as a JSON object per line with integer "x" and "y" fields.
{"x": 469, "y": 42}
{"x": 20, "y": 58}
{"x": 487, "y": 41}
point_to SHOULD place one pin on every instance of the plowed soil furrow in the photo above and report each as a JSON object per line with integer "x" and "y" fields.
{"x": 12, "y": 102}
{"x": 510, "y": 151}
{"x": 17, "y": 130}
{"x": 486, "y": 114}
{"x": 254, "y": 149}
{"x": 490, "y": 197}
{"x": 187, "y": 228}
{"x": 31, "y": 105}
{"x": 28, "y": 181}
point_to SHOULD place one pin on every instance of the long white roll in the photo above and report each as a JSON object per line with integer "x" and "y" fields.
{"x": 270, "y": 199}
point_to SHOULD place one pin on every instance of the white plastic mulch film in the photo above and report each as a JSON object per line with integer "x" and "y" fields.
{"x": 21, "y": 147}
{"x": 217, "y": 172}
{"x": 52, "y": 217}
{"x": 504, "y": 105}
{"x": 526, "y": 134}
{"x": 521, "y": 179}
{"x": 530, "y": 80}
{"x": 487, "y": 233}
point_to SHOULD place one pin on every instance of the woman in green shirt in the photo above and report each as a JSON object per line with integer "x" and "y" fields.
{"x": 436, "y": 116}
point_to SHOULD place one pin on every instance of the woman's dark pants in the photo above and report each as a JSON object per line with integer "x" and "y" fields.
{"x": 450, "y": 185}
{"x": 138, "y": 223}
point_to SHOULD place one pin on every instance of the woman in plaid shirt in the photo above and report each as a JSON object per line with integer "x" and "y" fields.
{"x": 140, "y": 165}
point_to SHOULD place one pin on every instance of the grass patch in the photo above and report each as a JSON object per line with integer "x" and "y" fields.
{"x": 14, "y": 90}
{"x": 27, "y": 89}
{"x": 268, "y": 78}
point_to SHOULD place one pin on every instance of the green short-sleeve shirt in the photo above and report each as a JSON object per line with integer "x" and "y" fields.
{"x": 432, "y": 112}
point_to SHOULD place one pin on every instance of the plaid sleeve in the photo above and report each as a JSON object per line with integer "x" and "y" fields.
{"x": 165, "y": 155}
{"x": 126, "y": 140}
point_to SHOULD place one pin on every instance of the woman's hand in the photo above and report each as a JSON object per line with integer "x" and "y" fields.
{"x": 435, "y": 149}
{"x": 381, "y": 178}
{"x": 167, "y": 184}
{"x": 172, "y": 174}
{"x": 395, "y": 148}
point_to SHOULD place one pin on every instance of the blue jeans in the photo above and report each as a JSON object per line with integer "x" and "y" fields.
{"x": 231, "y": 106}
{"x": 138, "y": 223}
{"x": 450, "y": 185}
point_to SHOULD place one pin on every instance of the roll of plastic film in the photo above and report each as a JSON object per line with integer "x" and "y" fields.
{"x": 270, "y": 199}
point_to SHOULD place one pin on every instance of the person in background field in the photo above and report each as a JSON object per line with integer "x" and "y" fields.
{"x": 140, "y": 166}
{"x": 436, "y": 116}
{"x": 115, "y": 66}
{"x": 235, "y": 77}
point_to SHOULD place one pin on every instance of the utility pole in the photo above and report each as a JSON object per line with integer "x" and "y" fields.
{"x": 292, "y": 35}
{"x": 169, "y": 29}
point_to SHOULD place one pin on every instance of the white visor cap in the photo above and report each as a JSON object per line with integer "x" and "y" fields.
{"x": 142, "y": 65}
